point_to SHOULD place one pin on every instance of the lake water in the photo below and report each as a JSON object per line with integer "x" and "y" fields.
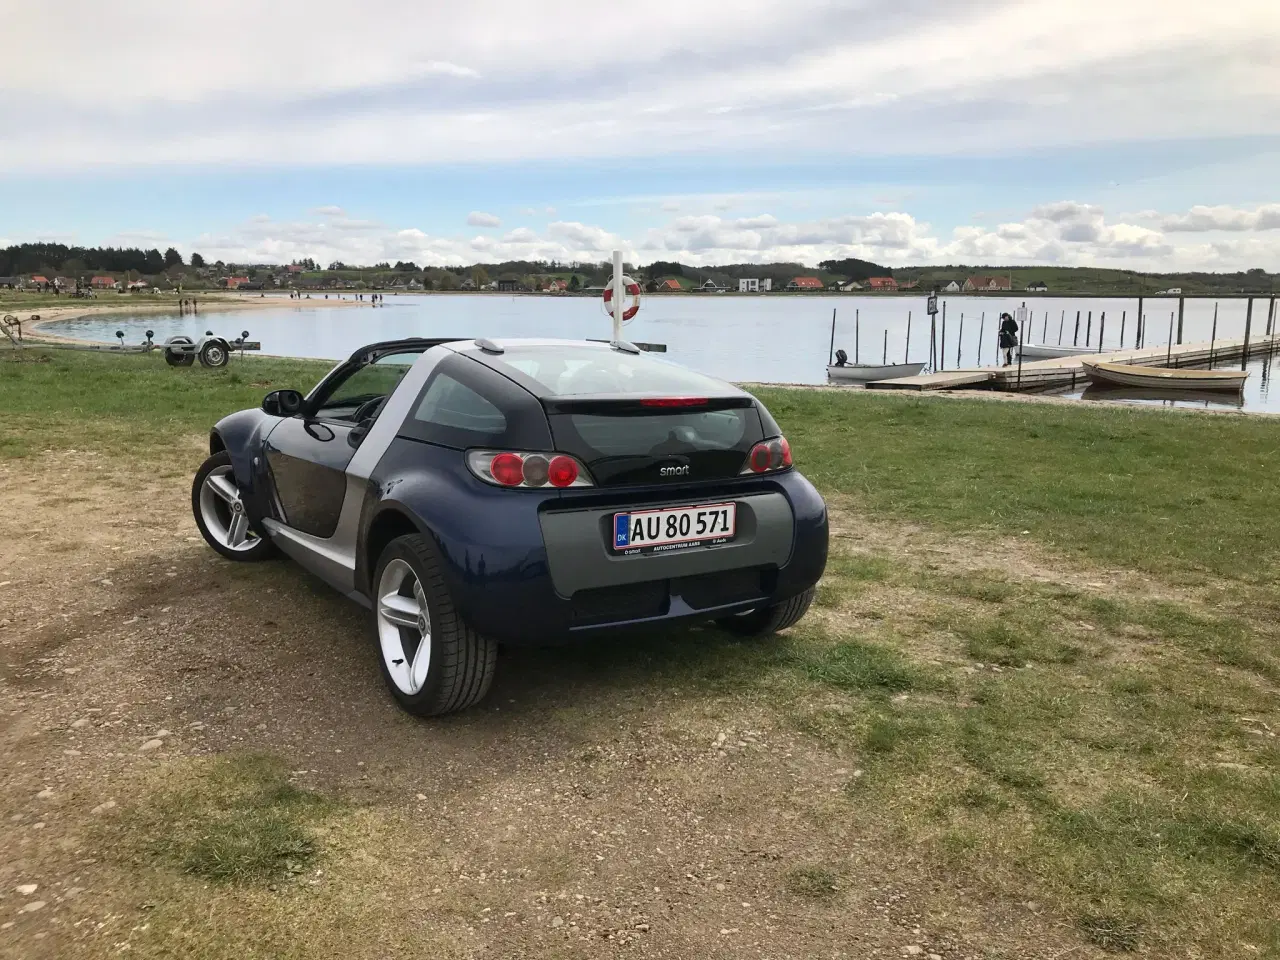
{"x": 770, "y": 339}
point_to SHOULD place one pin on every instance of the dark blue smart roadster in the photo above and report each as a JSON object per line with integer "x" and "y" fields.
{"x": 476, "y": 493}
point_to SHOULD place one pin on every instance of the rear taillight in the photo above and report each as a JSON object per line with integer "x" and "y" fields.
{"x": 769, "y": 456}
{"x": 510, "y": 469}
{"x": 673, "y": 402}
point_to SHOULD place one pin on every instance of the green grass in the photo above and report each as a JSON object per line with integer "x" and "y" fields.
{"x": 1138, "y": 488}
{"x": 234, "y": 820}
{"x": 812, "y": 883}
{"x": 70, "y": 398}
{"x": 1104, "y": 749}
{"x": 1089, "y": 749}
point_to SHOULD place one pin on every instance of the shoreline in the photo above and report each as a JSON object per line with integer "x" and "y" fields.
{"x": 35, "y": 331}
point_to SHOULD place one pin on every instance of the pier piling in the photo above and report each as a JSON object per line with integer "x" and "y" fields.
{"x": 1248, "y": 324}
{"x": 1213, "y": 337}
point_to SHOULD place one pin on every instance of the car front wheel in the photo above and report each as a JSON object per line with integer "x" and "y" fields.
{"x": 221, "y": 514}
{"x": 766, "y": 620}
{"x": 432, "y": 661}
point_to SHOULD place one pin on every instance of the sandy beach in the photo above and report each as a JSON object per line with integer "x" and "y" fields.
{"x": 33, "y": 329}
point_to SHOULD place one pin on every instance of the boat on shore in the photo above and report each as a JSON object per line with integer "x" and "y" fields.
{"x": 866, "y": 372}
{"x": 1163, "y": 378}
{"x": 1045, "y": 351}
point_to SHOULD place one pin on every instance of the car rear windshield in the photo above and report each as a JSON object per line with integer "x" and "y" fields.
{"x": 596, "y": 401}
{"x": 566, "y": 370}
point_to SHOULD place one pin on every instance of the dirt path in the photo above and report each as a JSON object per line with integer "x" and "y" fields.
{"x": 592, "y": 807}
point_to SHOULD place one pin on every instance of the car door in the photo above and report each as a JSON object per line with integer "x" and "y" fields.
{"x": 307, "y": 455}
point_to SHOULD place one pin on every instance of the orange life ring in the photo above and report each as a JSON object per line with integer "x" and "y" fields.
{"x": 633, "y": 291}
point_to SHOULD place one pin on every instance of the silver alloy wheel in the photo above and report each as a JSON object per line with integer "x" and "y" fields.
{"x": 223, "y": 511}
{"x": 214, "y": 355}
{"x": 404, "y": 627}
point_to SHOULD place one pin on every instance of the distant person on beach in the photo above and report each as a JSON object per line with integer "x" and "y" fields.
{"x": 1008, "y": 336}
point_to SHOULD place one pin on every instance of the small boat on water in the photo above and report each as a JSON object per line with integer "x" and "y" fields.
{"x": 866, "y": 372}
{"x": 1163, "y": 378}
{"x": 1045, "y": 351}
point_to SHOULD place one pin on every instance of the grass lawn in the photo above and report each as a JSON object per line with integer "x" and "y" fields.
{"x": 1047, "y": 639}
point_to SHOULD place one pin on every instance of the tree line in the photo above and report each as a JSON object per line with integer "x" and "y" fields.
{"x": 59, "y": 258}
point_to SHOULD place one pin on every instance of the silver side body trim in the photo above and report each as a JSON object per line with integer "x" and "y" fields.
{"x": 398, "y": 406}
{"x": 333, "y": 559}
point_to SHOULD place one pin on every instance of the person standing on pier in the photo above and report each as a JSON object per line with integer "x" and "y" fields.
{"x": 1008, "y": 337}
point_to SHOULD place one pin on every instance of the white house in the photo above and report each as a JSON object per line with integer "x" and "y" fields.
{"x": 1038, "y": 286}
{"x": 850, "y": 287}
{"x": 951, "y": 287}
{"x": 754, "y": 285}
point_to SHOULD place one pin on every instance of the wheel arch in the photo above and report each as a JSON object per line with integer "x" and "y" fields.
{"x": 391, "y": 520}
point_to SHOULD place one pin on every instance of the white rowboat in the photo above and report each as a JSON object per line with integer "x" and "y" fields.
{"x": 865, "y": 372}
{"x": 1163, "y": 378}
{"x": 1045, "y": 351}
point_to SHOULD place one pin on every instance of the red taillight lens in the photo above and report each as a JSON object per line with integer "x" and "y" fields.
{"x": 563, "y": 471}
{"x": 769, "y": 455}
{"x": 507, "y": 469}
{"x": 760, "y": 457}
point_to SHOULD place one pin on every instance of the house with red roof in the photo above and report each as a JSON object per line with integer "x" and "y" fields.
{"x": 40, "y": 281}
{"x": 103, "y": 283}
{"x": 669, "y": 285}
{"x": 232, "y": 283}
{"x": 805, "y": 283}
{"x": 982, "y": 284}
{"x": 883, "y": 284}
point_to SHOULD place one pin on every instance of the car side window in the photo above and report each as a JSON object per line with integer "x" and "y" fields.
{"x": 369, "y": 383}
{"x": 448, "y": 403}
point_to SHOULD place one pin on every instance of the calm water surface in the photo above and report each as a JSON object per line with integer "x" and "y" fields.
{"x": 777, "y": 339}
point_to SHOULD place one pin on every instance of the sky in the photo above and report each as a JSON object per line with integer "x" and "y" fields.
{"x": 1142, "y": 134}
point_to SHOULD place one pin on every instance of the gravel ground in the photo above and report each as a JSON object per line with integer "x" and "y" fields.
{"x": 587, "y": 809}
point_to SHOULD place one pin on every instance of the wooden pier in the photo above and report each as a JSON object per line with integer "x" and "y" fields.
{"x": 1066, "y": 372}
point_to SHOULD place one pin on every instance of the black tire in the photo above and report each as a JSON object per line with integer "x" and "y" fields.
{"x": 176, "y": 358}
{"x": 261, "y": 549}
{"x": 214, "y": 353}
{"x": 767, "y": 620}
{"x": 463, "y": 661}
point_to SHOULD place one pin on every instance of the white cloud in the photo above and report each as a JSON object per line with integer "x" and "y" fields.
{"x": 1066, "y": 233}
{"x": 1201, "y": 219}
{"x": 478, "y": 219}
{"x": 386, "y": 91}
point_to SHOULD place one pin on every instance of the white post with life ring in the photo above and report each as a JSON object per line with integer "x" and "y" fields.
{"x": 619, "y": 288}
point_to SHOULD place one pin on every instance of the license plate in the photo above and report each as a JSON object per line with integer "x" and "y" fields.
{"x": 674, "y": 528}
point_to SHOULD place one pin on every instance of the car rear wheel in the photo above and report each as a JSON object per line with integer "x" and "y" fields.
{"x": 221, "y": 514}
{"x": 766, "y": 620}
{"x": 432, "y": 661}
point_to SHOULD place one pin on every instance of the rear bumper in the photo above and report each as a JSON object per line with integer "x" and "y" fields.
{"x": 575, "y": 586}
